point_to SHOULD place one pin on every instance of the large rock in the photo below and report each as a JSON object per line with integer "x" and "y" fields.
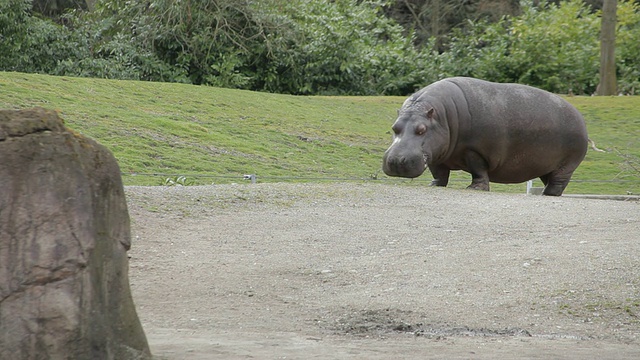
{"x": 64, "y": 236}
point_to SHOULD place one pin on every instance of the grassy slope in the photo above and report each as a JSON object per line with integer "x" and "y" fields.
{"x": 223, "y": 134}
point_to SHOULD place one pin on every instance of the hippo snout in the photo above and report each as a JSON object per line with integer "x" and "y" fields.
{"x": 403, "y": 165}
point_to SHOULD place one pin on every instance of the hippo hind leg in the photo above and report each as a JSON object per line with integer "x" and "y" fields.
{"x": 479, "y": 183}
{"x": 554, "y": 183}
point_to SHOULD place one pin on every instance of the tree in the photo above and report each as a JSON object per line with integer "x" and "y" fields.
{"x": 608, "y": 81}
{"x": 336, "y": 47}
{"x": 628, "y": 47}
{"x": 54, "y": 8}
{"x": 434, "y": 19}
{"x": 553, "y": 47}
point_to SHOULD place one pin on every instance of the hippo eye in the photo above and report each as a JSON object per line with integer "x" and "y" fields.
{"x": 421, "y": 129}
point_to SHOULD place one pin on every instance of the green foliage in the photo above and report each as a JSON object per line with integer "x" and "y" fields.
{"x": 209, "y": 40}
{"x": 331, "y": 47}
{"x": 99, "y": 51}
{"x": 298, "y": 47}
{"x": 178, "y": 181}
{"x": 628, "y": 47}
{"x": 480, "y": 50}
{"x": 553, "y": 47}
{"x": 28, "y": 43}
{"x": 335, "y": 47}
{"x": 14, "y": 18}
{"x": 556, "y": 49}
{"x": 122, "y": 39}
{"x": 217, "y": 135}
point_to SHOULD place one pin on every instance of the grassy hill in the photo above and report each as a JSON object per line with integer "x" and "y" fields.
{"x": 161, "y": 131}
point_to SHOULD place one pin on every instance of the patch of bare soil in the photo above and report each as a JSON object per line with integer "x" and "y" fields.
{"x": 379, "y": 271}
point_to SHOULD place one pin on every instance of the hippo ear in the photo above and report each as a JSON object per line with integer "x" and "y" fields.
{"x": 430, "y": 113}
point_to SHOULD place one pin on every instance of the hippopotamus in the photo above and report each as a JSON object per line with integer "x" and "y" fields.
{"x": 503, "y": 133}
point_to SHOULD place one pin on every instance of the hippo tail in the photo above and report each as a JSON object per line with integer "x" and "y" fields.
{"x": 593, "y": 145}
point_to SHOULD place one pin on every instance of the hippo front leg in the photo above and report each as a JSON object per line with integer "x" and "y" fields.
{"x": 479, "y": 171}
{"x": 440, "y": 175}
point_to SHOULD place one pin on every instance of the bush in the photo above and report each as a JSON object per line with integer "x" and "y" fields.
{"x": 331, "y": 47}
{"x": 335, "y": 47}
{"x": 628, "y": 47}
{"x": 163, "y": 40}
{"x": 98, "y": 51}
{"x": 14, "y": 22}
{"x": 553, "y": 47}
{"x": 556, "y": 49}
{"x": 27, "y": 43}
{"x": 479, "y": 49}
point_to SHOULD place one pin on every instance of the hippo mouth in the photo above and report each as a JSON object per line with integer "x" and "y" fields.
{"x": 407, "y": 167}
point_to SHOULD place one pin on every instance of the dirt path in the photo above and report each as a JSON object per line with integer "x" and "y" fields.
{"x": 374, "y": 271}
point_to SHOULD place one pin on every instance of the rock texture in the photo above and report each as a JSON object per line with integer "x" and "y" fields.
{"x": 64, "y": 236}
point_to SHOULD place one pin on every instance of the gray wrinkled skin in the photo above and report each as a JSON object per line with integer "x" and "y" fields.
{"x": 504, "y": 133}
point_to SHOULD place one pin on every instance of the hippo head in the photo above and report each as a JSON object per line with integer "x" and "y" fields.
{"x": 419, "y": 140}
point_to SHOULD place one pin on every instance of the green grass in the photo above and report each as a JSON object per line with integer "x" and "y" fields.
{"x": 218, "y": 135}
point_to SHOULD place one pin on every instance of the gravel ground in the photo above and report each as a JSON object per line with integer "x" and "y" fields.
{"x": 379, "y": 271}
